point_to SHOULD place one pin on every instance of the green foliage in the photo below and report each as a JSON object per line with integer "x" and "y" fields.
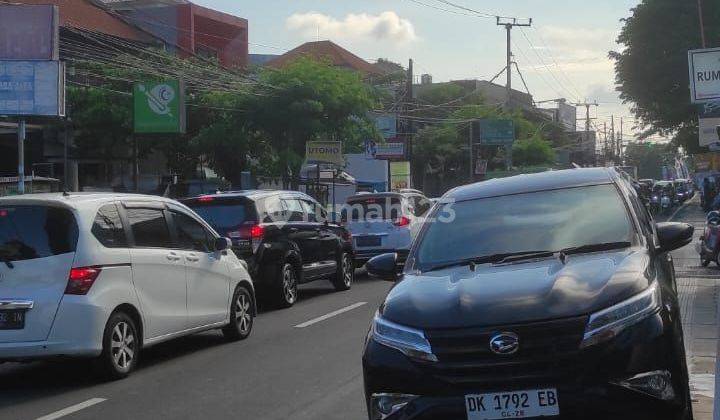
{"x": 533, "y": 151}
{"x": 651, "y": 70}
{"x": 649, "y": 158}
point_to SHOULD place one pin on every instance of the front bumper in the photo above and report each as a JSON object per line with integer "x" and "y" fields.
{"x": 585, "y": 383}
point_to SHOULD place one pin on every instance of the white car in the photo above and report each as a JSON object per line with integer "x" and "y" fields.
{"x": 105, "y": 275}
{"x": 384, "y": 222}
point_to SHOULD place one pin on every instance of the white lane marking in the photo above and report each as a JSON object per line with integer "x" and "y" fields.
{"x": 72, "y": 409}
{"x": 330, "y": 315}
{"x": 672, "y": 216}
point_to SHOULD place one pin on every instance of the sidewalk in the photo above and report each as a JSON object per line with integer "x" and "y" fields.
{"x": 699, "y": 290}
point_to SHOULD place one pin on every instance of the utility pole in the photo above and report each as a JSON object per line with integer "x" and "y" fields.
{"x": 607, "y": 149}
{"x": 21, "y": 156}
{"x": 612, "y": 138}
{"x": 620, "y": 140}
{"x": 509, "y": 24}
{"x": 587, "y": 106}
{"x": 702, "y": 23}
{"x": 408, "y": 101}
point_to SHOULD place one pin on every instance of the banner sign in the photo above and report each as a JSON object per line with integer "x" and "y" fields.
{"x": 494, "y": 132}
{"x": 159, "y": 107}
{"x": 390, "y": 151}
{"x": 709, "y": 131}
{"x": 399, "y": 175}
{"x": 387, "y": 125}
{"x": 32, "y": 88}
{"x": 324, "y": 152}
{"x": 704, "y": 66}
{"x": 29, "y": 32}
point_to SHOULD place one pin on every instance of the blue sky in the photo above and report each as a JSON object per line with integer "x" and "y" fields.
{"x": 564, "y": 54}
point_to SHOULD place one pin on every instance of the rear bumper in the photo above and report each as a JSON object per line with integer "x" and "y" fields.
{"x": 76, "y": 332}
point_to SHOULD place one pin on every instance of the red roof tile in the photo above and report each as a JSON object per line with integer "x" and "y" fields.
{"x": 325, "y": 50}
{"x": 83, "y": 14}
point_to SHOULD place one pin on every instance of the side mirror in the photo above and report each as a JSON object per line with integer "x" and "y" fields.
{"x": 222, "y": 244}
{"x": 383, "y": 266}
{"x": 674, "y": 235}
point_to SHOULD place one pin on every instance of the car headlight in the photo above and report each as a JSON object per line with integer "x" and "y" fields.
{"x": 408, "y": 340}
{"x": 608, "y": 323}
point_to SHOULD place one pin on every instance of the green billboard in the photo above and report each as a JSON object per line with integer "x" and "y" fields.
{"x": 159, "y": 107}
{"x": 494, "y": 132}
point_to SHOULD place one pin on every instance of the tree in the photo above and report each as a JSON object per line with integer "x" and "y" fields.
{"x": 309, "y": 100}
{"x": 651, "y": 70}
{"x": 533, "y": 151}
{"x": 649, "y": 158}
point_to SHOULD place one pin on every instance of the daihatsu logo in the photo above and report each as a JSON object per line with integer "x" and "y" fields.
{"x": 505, "y": 343}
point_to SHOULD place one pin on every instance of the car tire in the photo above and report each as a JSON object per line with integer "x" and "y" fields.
{"x": 345, "y": 274}
{"x": 242, "y": 309}
{"x": 121, "y": 347}
{"x": 286, "y": 285}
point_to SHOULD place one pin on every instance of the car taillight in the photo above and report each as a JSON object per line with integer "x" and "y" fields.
{"x": 402, "y": 221}
{"x": 257, "y": 232}
{"x": 205, "y": 199}
{"x": 81, "y": 280}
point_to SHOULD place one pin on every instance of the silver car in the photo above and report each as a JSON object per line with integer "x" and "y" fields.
{"x": 106, "y": 275}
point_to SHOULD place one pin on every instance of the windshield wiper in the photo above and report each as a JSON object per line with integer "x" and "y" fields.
{"x": 493, "y": 258}
{"x": 7, "y": 261}
{"x": 605, "y": 246}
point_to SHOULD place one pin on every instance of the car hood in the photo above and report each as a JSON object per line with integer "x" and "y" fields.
{"x": 520, "y": 292}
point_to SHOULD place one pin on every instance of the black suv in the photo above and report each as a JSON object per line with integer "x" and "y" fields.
{"x": 284, "y": 236}
{"x": 550, "y": 294}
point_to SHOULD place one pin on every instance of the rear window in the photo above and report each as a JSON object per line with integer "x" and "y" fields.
{"x": 28, "y": 232}
{"x": 223, "y": 214}
{"x": 372, "y": 208}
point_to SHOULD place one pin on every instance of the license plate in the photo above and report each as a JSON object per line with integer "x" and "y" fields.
{"x": 12, "y": 320}
{"x": 514, "y": 404}
{"x": 368, "y": 241}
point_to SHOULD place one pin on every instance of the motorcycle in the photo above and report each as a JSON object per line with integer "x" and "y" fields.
{"x": 708, "y": 246}
{"x": 665, "y": 202}
{"x": 654, "y": 204}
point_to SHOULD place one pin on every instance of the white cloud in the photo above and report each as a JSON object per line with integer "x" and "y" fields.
{"x": 387, "y": 27}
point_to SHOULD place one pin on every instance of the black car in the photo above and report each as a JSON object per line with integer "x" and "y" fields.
{"x": 285, "y": 238}
{"x": 550, "y": 294}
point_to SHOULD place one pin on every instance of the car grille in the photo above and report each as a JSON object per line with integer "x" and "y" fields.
{"x": 548, "y": 353}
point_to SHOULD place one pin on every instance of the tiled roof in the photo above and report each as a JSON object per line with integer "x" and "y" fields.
{"x": 325, "y": 50}
{"x": 83, "y": 14}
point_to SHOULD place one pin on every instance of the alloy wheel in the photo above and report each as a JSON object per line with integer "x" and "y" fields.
{"x": 123, "y": 346}
{"x": 242, "y": 313}
{"x": 289, "y": 285}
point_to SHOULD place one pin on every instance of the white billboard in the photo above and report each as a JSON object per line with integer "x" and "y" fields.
{"x": 704, "y": 68}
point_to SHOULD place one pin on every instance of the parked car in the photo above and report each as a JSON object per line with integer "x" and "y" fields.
{"x": 107, "y": 275}
{"x": 284, "y": 236}
{"x": 548, "y": 294}
{"x": 384, "y": 222}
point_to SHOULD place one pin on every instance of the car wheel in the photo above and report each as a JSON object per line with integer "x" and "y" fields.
{"x": 241, "y": 315}
{"x": 286, "y": 294}
{"x": 121, "y": 347}
{"x": 345, "y": 273}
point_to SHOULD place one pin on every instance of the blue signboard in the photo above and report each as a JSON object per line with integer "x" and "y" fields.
{"x": 32, "y": 88}
{"x": 494, "y": 132}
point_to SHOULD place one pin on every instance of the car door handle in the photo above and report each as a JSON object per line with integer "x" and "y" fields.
{"x": 293, "y": 230}
{"x": 192, "y": 258}
{"x": 173, "y": 257}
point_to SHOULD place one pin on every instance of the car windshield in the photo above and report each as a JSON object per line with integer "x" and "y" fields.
{"x": 538, "y": 221}
{"x": 372, "y": 208}
{"x": 28, "y": 232}
{"x": 222, "y": 214}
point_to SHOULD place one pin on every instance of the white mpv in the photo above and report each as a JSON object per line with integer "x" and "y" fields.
{"x": 105, "y": 275}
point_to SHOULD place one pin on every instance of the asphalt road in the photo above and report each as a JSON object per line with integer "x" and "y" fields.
{"x": 282, "y": 371}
